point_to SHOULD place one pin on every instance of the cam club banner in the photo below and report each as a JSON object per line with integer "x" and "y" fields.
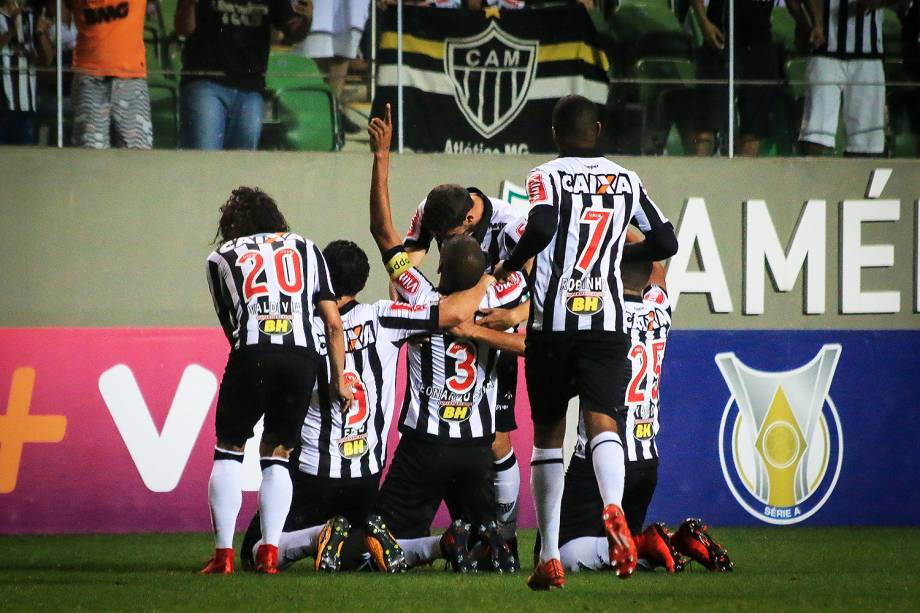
{"x": 486, "y": 81}
{"x": 111, "y": 429}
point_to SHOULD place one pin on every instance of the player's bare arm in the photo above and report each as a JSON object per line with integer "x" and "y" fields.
{"x": 503, "y": 341}
{"x": 335, "y": 337}
{"x": 381, "y": 134}
{"x": 502, "y": 319}
{"x": 459, "y": 307}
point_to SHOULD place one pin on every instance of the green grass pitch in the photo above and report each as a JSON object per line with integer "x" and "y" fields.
{"x": 787, "y": 569}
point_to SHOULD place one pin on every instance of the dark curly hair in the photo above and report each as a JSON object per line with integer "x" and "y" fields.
{"x": 445, "y": 208}
{"x": 348, "y": 267}
{"x": 249, "y": 211}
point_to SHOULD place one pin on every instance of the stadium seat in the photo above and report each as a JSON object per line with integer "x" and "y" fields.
{"x": 631, "y": 21}
{"x": 164, "y": 112}
{"x": 783, "y": 26}
{"x": 664, "y": 102}
{"x": 303, "y": 113}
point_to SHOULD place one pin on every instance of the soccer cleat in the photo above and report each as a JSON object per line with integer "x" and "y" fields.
{"x": 622, "y": 548}
{"x": 654, "y": 547}
{"x": 495, "y": 550}
{"x": 381, "y": 544}
{"x": 455, "y": 547}
{"x": 547, "y": 575}
{"x": 329, "y": 549}
{"x": 220, "y": 564}
{"x": 693, "y": 540}
{"x": 267, "y": 560}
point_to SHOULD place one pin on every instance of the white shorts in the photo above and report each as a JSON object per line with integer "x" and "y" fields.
{"x": 863, "y": 105}
{"x": 336, "y": 29}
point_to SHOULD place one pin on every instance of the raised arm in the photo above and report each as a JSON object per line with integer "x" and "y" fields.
{"x": 381, "y": 133}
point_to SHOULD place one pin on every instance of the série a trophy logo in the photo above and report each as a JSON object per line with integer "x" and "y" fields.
{"x": 780, "y": 440}
{"x": 491, "y": 73}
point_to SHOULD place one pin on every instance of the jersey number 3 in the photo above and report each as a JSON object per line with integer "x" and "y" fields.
{"x": 288, "y": 270}
{"x": 464, "y": 377}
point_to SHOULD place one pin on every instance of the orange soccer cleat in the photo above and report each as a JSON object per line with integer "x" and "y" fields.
{"x": 623, "y": 556}
{"x": 692, "y": 539}
{"x": 220, "y": 564}
{"x": 547, "y": 575}
{"x": 654, "y": 548}
{"x": 267, "y": 560}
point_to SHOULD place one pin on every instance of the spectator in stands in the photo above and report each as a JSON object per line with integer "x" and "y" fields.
{"x": 24, "y": 41}
{"x": 846, "y": 39}
{"x": 230, "y": 40}
{"x": 47, "y": 81}
{"x": 333, "y": 43}
{"x": 755, "y": 59}
{"x": 110, "y": 96}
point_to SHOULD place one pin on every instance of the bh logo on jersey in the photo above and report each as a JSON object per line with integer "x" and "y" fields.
{"x": 584, "y": 296}
{"x": 491, "y": 73}
{"x": 780, "y": 441}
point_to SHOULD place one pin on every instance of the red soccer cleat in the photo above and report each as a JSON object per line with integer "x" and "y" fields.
{"x": 267, "y": 560}
{"x": 547, "y": 575}
{"x": 220, "y": 564}
{"x": 693, "y": 540}
{"x": 623, "y": 556}
{"x": 654, "y": 546}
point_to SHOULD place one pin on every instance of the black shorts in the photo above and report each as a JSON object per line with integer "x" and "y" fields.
{"x": 755, "y": 102}
{"x": 582, "y": 505}
{"x": 318, "y": 499}
{"x": 424, "y": 473}
{"x": 591, "y": 365}
{"x": 506, "y": 375}
{"x": 273, "y": 382}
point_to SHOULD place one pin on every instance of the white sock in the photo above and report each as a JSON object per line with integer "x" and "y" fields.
{"x": 609, "y": 468}
{"x": 547, "y": 478}
{"x": 507, "y": 486}
{"x": 274, "y": 498}
{"x": 586, "y": 552}
{"x": 225, "y": 495}
{"x": 423, "y": 550}
{"x": 298, "y": 544}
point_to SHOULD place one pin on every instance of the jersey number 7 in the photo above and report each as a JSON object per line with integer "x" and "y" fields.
{"x": 599, "y": 221}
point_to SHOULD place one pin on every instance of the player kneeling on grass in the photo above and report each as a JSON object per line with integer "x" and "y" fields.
{"x": 448, "y": 415}
{"x": 648, "y": 320}
{"x": 267, "y": 283}
{"x": 342, "y": 454}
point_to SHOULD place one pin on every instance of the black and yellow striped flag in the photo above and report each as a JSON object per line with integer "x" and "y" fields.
{"x": 486, "y": 81}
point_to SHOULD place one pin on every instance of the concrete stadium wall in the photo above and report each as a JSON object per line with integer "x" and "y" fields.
{"x": 102, "y": 238}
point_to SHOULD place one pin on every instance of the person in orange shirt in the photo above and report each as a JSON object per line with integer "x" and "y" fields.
{"x": 110, "y": 96}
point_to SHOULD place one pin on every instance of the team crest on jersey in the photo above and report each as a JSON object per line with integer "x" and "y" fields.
{"x": 583, "y": 296}
{"x": 781, "y": 441}
{"x": 491, "y": 73}
{"x": 596, "y": 185}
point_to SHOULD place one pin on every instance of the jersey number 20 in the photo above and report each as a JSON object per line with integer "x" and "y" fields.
{"x": 288, "y": 270}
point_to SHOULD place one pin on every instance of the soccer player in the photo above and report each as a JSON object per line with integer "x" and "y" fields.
{"x": 448, "y": 416}
{"x": 451, "y": 210}
{"x": 342, "y": 455}
{"x": 266, "y": 283}
{"x": 581, "y": 534}
{"x": 581, "y": 206}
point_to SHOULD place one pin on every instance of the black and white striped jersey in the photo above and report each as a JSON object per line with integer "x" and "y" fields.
{"x": 498, "y": 232}
{"x": 849, "y": 33}
{"x": 451, "y": 393}
{"x": 338, "y": 445}
{"x": 648, "y": 321}
{"x": 576, "y": 279}
{"x": 17, "y": 68}
{"x": 265, "y": 288}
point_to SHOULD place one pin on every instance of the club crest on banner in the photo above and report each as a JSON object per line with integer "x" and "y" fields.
{"x": 780, "y": 440}
{"x": 491, "y": 73}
